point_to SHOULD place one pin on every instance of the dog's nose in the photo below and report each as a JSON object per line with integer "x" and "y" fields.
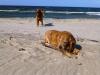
{"x": 60, "y": 47}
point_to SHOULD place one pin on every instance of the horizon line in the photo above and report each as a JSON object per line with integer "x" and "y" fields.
{"x": 50, "y": 6}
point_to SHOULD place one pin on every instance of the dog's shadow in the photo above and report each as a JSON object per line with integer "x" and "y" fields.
{"x": 49, "y": 24}
{"x": 79, "y": 47}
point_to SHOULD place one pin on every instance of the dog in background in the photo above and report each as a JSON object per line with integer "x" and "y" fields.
{"x": 39, "y": 16}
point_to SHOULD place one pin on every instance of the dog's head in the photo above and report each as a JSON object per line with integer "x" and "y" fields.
{"x": 67, "y": 46}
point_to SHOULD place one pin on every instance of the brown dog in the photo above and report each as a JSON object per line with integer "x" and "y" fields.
{"x": 60, "y": 40}
{"x": 39, "y": 16}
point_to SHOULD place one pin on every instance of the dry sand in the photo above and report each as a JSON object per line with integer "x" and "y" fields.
{"x": 22, "y": 54}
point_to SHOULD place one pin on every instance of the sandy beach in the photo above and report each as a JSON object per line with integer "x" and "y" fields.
{"x": 21, "y": 52}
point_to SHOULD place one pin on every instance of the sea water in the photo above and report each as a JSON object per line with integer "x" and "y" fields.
{"x": 49, "y": 12}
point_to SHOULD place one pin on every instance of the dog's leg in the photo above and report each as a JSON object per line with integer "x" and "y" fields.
{"x": 42, "y": 22}
{"x": 37, "y": 20}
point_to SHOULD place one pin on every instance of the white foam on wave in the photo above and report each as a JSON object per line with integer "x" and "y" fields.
{"x": 9, "y": 10}
{"x": 93, "y": 13}
{"x": 68, "y": 12}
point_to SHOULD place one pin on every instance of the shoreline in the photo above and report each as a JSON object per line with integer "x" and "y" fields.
{"x": 84, "y": 28}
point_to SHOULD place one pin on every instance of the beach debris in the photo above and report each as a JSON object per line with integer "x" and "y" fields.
{"x": 79, "y": 63}
{"x": 76, "y": 57}
{"x": 94, "y": 40}
{"x": 21, "y": 49}
{"x": 81, "y": 40}
{"x": 10, "y": 38}
{"x": 4, "y": 41}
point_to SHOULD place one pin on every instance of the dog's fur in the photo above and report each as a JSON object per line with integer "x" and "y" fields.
{"x": 39, "y": 16}
{"x": 60, "y": 40}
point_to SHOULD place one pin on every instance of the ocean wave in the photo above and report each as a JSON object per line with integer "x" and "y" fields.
{"x": 93, "y": 13}
{"x": 60, "y": 12}
{"x": 17, "y": 10}
{"x": 9, "y": 10}
{"x": 67, "y": 12}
